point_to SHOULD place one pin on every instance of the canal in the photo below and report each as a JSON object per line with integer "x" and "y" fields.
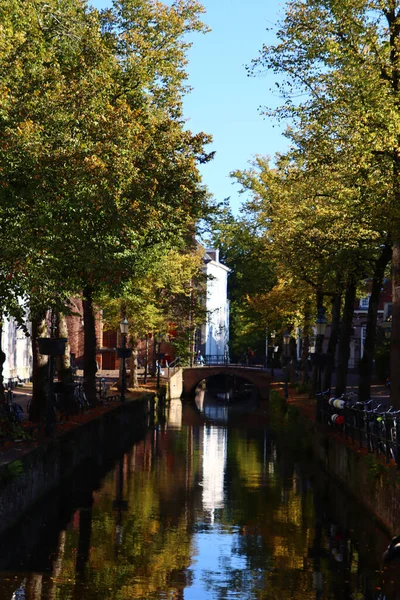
{"x": 210, "y": 504}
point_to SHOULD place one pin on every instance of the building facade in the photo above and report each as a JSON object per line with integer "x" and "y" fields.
{"x": 213, "y": 338}
{"x": 17, "y": 347}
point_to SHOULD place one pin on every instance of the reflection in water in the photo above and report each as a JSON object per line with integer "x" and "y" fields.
{"x": 214, "y": 460}
{"x": 175, "y": 414}
{"x": 220, "y": 404}
{"x": 203, "y": 511}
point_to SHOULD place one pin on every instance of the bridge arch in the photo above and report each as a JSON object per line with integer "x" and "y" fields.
{"x": 193, "y": 375}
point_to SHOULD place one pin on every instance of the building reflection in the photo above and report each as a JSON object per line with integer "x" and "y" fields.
{"x": 213, "y": 468}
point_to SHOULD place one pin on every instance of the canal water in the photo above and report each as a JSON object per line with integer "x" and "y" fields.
{"x": 210, "y": 505}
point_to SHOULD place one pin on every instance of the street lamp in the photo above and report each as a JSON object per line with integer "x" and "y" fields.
{"x": 286, "y": 341}
{"x": 159, "y": 339}
{"x": 272, "y": 334}
{"x": 320, "y": 326}
{"x": 124, "y": 353}
{"x": 51, "y": 347}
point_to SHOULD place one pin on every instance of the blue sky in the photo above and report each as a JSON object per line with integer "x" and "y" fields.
{"x": 224, "y": 101}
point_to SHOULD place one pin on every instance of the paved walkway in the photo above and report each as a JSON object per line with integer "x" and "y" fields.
{"x": 379, "y": 391}
{"x": 23, "y": 393}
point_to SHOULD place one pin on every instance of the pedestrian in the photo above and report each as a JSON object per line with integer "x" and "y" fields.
{"x": 250, "y": 356}
{"x": 199, "y": 360}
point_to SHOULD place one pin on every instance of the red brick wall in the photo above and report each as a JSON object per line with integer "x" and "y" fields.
{"x": 75, "y": 331}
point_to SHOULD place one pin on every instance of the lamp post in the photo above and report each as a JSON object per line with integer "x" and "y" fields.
{"x": 273, "y": 334}
{"x": 286, "y": 341}
{"x": 51, "y": 347}
{"x": 124, "y": 353}
{"x": 159, "y": 339}
{"x": 320, "y": 326}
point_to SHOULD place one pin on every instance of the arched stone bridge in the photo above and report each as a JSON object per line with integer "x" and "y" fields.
{"x": 259, "y": 377}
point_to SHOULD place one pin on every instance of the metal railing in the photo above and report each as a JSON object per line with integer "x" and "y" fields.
{"x": 213, "y": 359}
{"x": 370, "y": 425}
{"x": 174, "y": 365}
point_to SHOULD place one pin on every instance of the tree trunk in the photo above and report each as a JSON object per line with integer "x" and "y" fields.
{"x": 318, "y": 343}
{"x": 2, "y": 361}
{"x": 133, "y": 378}
{"x": 65, "y": 373}
{"x": 40, "y": 372}
{"x": 305, "y": 348}
{"x": 89, "y": 358}
{"x": 366, "y": 362}
{"x": 333, "y": 340}
{"x": 345, "y": 337}
{"x": 146, "y": 359}
{"x": 395, "y": 334}
{"x": 304, "y": 358}
{"x": 33, "y": 586}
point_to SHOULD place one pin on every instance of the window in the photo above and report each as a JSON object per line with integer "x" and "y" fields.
{"x": 364, "y": 303}
{"x": 387, "y": 310}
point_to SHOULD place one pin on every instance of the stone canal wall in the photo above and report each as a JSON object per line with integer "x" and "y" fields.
{"x": 36, "y": 472}
{"x": 366, "y": 477}
{"x": 175, "y": 386}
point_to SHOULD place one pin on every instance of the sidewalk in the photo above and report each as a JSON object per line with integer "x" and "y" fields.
{"x": 12, "y": 450}
{"x": 379, "y": 391}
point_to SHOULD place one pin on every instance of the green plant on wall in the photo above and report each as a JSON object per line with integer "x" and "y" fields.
{"x": 11, "y": 471}
{"x": 376, "y": 468}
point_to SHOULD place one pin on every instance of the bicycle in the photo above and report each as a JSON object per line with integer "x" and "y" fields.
{"x": 321, "y": 405}
{"x": 101, "y": 391}
{"x": 14, "y": 410}
{"x": 11, "y": 417}
{"x": 80, "y": 397}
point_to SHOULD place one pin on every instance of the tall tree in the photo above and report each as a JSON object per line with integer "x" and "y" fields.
{"x": 243, "y": 250}
{"x": 96, "y": 167}
{"x": 348, "y": 69}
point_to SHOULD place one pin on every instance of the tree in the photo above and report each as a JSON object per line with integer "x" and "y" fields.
{"x": 170, "y": 292}
{"x": 310, "y": 221}
{"x": 348, "y": 69}
{"x": 243, "y": 250}
{"x": 96, "y": 167}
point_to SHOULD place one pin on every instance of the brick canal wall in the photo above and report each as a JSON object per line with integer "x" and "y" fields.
{"x": 32, "y": 475}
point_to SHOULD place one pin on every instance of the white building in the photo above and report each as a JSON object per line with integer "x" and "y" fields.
{"x": 18, "y": 350}
{"x": 214, "y": 335}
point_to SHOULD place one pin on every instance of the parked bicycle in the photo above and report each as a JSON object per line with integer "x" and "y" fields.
{"x": 375, "y": 426}
{"x": 101, "y": 391}
{"x": 80, "y": 397}
{"x": 11, "y": 416}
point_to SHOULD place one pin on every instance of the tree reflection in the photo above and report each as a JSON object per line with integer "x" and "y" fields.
{"x": 228, "y": 510}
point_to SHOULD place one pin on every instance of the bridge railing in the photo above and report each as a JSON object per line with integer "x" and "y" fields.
{"x": 174, "y": 365}
{"x": 213, "y": 359}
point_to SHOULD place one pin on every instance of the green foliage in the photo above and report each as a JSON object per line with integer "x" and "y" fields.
{"x": 96, "y": 168}
{"x": 11, "y": 471}
{"x": 376, "y": 468}
{"x": 304, "y": 388}
{"x": 252, "y": 273}
{"x": 382, "y": 359}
